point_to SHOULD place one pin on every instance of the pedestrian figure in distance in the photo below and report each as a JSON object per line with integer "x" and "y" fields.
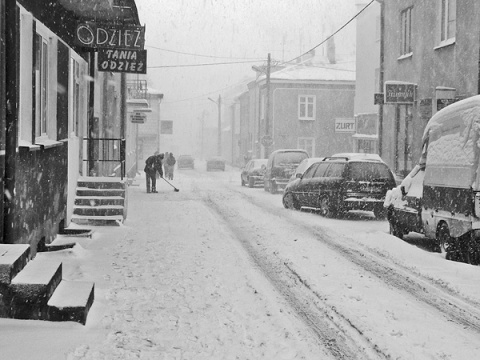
{"x": 153, "y": 165}
{"x": 169, "y": 166}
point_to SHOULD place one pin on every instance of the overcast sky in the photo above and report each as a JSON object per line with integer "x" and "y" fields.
{"x": 229, "y": 31}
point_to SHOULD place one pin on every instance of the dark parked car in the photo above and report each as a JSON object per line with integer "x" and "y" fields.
{"x": 185, "y": 162}
{"x": 215, "y": 163}
{"x": 280, "y": 166}
{"x": 339, "y": 184}
{"x": 253, "y": 173}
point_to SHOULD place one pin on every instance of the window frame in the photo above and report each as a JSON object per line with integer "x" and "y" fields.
{"x": 305, "y": 104}
{"x": 406, "y": 31}
{"x": 448, "y": 34}
{"x": 301, "y": 145}
{"x": 42, "y": 86}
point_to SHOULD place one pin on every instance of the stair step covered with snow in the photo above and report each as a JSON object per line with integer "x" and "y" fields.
{"x": 100, "y": 201}
{"x": 35, "y": 289}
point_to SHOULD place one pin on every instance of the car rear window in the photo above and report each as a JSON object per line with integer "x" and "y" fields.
{"x": 366, "y": 171}
{"x": 288, "y": 158}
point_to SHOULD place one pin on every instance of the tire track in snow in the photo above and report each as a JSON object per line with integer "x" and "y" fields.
{"x": 335, "y": 332}
{"x": 451, "y": 305}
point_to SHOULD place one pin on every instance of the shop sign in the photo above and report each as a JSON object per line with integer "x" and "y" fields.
{"x": 94, "y": 35}
{"x": 138, "y": 117}
{"x": 345, "y": 125}
{"x": 399, "y": 93}
{"x": 122, "y": 60}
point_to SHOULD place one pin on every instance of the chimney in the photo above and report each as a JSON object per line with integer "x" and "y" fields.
{"x": 331, "y": 51}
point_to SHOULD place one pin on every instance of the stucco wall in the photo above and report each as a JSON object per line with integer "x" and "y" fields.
{"x": 41, "y": 194}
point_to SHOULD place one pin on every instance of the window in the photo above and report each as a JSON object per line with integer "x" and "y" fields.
{"x": 41, "y": 85}
{"x": 448, "y": 18}
{"x": 306, "y": 107}
{"x": 310, "y": 172}
{"x": 307, "y": 144}
{"x": 406, "y": 31}
{"x": 335, "y": 170}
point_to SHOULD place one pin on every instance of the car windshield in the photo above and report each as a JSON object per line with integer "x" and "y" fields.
{"x": 289, "y": 158}
{"x": 367, "y": 171}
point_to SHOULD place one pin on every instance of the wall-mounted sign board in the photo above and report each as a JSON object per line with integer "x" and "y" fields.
{"x": 96, "y": 35}
{"x": 122, "y": 60}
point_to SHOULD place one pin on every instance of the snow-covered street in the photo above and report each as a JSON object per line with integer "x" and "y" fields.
{"x": 220, "y": 271}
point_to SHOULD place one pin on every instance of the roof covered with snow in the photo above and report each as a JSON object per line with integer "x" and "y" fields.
{"x": 314, "y": 72}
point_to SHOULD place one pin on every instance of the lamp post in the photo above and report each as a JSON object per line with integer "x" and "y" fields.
{"x": 267, "y": 140}
{"x": 219, "y": 141}
{"x": 160, "y": 98}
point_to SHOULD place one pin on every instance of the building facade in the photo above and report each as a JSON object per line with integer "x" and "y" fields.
{"x": 431, "y": 59}
{"x": 60, "y": 99}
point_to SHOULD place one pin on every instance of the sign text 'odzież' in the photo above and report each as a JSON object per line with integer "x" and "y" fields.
{"x": 122, "y": 60}
{"x": 94, "y": 35}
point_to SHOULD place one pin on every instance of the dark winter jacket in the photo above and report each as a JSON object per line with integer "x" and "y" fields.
{"x": 171, "y": 160}
{"x": 154, "y": 164}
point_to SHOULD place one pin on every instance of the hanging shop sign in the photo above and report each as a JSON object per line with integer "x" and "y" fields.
{"x": 95, "y": 35}
{"x": 122, "y": 60}
{"x": 399, "y": 92}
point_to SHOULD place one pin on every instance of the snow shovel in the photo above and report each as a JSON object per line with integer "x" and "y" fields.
{"x": 174, "y": 188}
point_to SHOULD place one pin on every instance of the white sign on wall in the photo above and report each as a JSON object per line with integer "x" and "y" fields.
{"x": 345, "y": 125}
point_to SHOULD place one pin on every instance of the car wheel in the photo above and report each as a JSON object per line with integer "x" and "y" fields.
{"x": 289, "y": 201}
{"x": 326, "y": 207}
{"x": 251, "y": 182}
{"x": 395, "y": 229}
{"x": 444, "y": 240}
{"x": 273, "y": 187}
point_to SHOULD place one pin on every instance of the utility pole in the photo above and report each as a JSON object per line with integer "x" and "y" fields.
{"x": 219, "y": 140}
{"x": 219, "y": 145}
{"x": 268, "y": 139}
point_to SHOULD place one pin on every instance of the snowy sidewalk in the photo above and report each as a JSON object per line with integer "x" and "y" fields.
{"x": 183, "y": 289}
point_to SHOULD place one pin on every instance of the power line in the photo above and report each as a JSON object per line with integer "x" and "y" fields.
{"x": 205, "y": 64}
{"x": 207, "y": 56}
{"x": 332, "y": 35}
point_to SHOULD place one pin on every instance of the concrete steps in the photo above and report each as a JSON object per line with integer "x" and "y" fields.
{"x": 34, "y": 288}
{"x": 100, "y": 201}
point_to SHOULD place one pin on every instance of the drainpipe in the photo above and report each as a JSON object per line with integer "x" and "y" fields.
{"x": 381, "y": 74}
{"x": 11, "y": 116}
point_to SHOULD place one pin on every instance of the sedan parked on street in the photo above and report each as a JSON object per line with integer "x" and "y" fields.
{"x": 339, "y": 184}
{"x": 253, "y": 172}
{"x": 216, "y": 163}
{"x": 185, "y": 162}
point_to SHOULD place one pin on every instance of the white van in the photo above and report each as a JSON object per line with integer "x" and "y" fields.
{"x": 441, "y": 196}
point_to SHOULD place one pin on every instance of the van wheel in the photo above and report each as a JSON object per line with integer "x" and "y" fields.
{"x": 444, "y": 240}
{"x": 251, "y": 182}
{"x": 326, "y": 208}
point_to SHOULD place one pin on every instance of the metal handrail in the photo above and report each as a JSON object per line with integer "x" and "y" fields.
{"x": 106, "y": 154}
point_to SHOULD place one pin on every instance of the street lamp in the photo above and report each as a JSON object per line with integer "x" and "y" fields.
{"x": 267, "y": 139}
{"x": 160, "y": 98}
{"x": 219, "y": 104}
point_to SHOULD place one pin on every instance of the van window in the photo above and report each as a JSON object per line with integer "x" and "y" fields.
{"x": 321, "y": 170}
{"x": 288, "y": 158}
{"x": 364, "y": 171}
{"x": 310, "y": 171}
{"x": 335, "y": 170}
